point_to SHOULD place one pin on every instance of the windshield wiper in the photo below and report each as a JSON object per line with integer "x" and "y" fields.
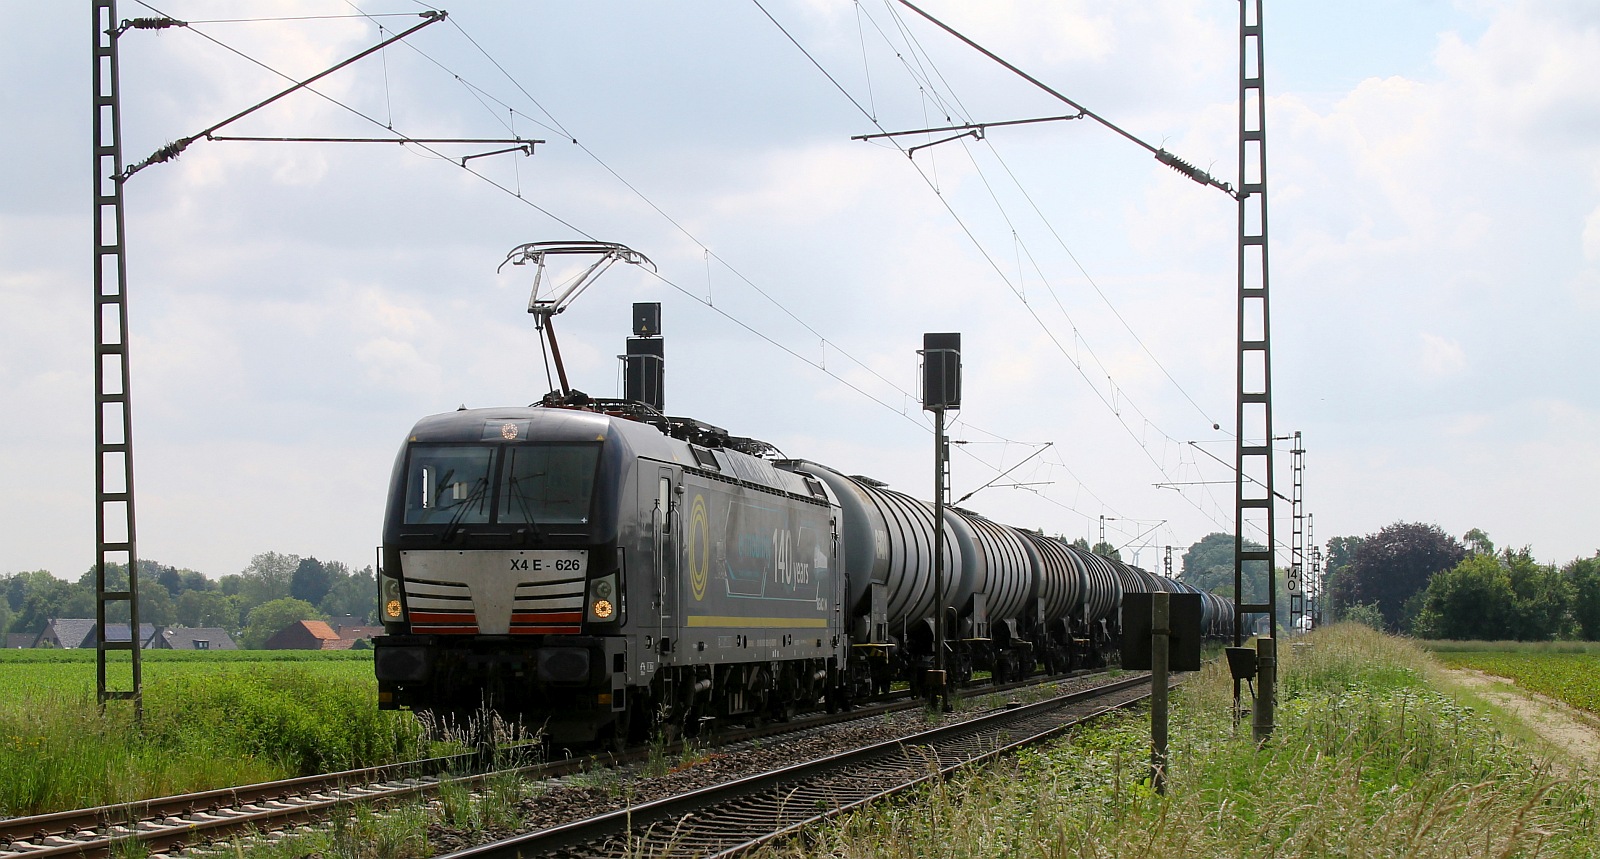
{"x": 478, "y": 488}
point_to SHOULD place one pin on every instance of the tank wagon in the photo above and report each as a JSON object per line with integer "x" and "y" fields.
{"x": 602, "y": 571}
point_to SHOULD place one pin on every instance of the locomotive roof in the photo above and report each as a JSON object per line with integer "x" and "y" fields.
{"x": 580, "y": 425}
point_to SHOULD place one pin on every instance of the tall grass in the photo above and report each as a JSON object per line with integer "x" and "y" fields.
{"x": 1368, "y": 759}
{"x": 207, "y": 723}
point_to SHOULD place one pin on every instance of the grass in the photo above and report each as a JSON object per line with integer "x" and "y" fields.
{"x": 210, "y": 720}
{"x": 1372, "y": 757}
{"x": 397, "y": 833}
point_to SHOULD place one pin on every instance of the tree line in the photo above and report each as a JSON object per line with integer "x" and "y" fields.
{"x": 1416, "y": 579}
{"x": 274, "y": 591}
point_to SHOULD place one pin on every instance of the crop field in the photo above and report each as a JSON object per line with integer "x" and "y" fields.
{"x": 210, "y": 720}
{"x": 1572, "y": 677}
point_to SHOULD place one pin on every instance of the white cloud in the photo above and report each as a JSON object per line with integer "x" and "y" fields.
{"x": 1442, "y": 356}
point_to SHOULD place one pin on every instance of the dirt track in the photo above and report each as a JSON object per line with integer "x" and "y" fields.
{"x": 1566, "y": 728}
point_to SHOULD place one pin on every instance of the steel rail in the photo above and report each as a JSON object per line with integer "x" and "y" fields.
{"x": 742, "y": 814}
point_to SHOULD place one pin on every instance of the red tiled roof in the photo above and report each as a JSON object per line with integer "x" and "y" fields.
{"x": 321, "y": 630}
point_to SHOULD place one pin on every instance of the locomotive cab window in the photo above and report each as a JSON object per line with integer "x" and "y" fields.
{"x": 453, "y": 484}
{"x": 448, "y": 484}
{"x": 547, "y": 482}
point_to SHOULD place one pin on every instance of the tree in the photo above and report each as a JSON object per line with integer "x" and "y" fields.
{"x": 1393, "y": 565}
{"x": 1078, "y": 543}
{"x": 1208, "y": 565}
{"x": 208, "y": 608}
{"x": 266, "y": 579}
{"x": 1472, "y": 600}
{"x": 6, "y": 615}
{"x": 1504, "y": 596}
{"x": 1366, "y": 614}
{"x": 55, "y": 598}
{"x": 155, "y": 607}
{"x": 1477, "y": 542}
{"x": 1542, "y": 610}
{"x": 1106, "y": 550}
{"x": 1337, "y": 583}
{"x": 16, "y": 587}
{"x": 267, "y": 619}
{"x": 354, "y": 594}
{"x": 310, "y": 581}
{"x": 1583, "y": 576}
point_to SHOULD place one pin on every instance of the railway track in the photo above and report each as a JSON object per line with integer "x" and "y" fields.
{"x": 738, "y": 816}
{"x": 172, "y": 824}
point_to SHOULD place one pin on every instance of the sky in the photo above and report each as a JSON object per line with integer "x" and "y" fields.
{"x": 1434, "y": 220}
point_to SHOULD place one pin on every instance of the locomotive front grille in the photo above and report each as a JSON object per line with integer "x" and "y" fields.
{"x": 494, "y": 592}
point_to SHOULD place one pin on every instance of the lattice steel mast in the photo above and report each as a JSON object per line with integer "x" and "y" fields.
{"x": 113, "y": 419}
{"x": 1253, "y": 475}
{"x": 1296, "y": 582}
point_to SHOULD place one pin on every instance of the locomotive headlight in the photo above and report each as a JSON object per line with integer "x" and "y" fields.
{"x": 394, "y": 610}
{"x": 604, "y": 599}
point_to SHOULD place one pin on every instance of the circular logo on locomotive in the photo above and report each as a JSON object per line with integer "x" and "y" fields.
{"x": 699, "y": 547}
{"x": 508, "y": 431}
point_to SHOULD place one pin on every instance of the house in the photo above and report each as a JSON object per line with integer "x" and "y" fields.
{"x": 194, "y": 638}
{"x": 17, "y": 640}
{"x": 308, "y": 635}
{"x": 119, "y": 632}
{"x": 67, "y": 633}
{"x": 355, "y": 633}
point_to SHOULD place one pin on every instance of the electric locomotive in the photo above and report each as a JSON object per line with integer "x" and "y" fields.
{"x": 598, "y": 576}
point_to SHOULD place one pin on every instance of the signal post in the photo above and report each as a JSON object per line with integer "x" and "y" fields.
{"x": 941, "y": 390}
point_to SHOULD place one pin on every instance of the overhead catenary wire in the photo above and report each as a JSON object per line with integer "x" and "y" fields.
{"x": 919, "y": 74}
{"x": 944, "y": 201}
{"x": 675, "y": 285}
{"x": 175, "y": 148}
{"x": 1161, "y": 154}
{"x": 330, "y": 99}
{"x": 402, "y": 138}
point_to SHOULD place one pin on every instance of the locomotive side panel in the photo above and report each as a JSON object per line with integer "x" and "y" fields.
{"x": 759, "y": 577}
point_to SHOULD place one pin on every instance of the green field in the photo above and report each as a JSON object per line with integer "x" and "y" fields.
{"x": 210, "y": 720}
{"x": 1573, "y": 678}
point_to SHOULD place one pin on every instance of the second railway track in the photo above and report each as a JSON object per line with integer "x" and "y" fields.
{"x": 172, "y": 824}
{"x": 739, "y": 815}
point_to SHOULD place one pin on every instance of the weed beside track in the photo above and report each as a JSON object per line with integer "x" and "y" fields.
{"x": 208, "y": 723}
{"x": 1372, "y": 757}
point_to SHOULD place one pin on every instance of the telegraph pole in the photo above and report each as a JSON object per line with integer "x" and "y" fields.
{"x": 113, "y": 420}
{"x": 1253, "y": 465}
{"x": 1295, "y": 582}
{"x": 115, "y": 533}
